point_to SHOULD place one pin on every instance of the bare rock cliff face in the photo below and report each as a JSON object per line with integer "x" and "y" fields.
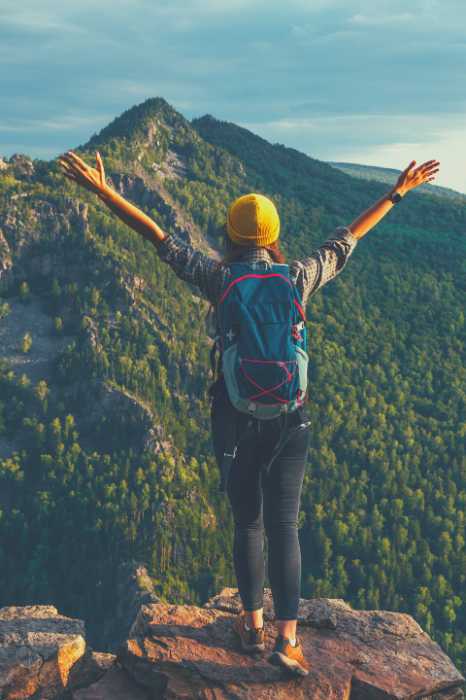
{"x": 183, "y": 651}
{"x": 153, "y": 194}
{"x": 6, "y": 262}
{"x": 20, "y": 231}
{"x": 134, "y": 589}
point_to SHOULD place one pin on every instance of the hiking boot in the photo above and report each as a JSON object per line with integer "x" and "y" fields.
{"x": 251, "y": 640}
{"x": 288, "y": 656}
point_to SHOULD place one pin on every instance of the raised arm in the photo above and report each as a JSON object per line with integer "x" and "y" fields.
{"x": 330, "y": 258}
{"x": 94, "y": 180}
{"x": 189, "y": 264}
{"x": 324, "y": 263}
{"x": 408, "y": 180}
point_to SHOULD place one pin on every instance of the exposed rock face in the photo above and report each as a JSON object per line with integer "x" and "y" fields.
{"x": 174, "y": 166}
{"x": 90, "y": 668}
{"x": 5, "y": 257}
{"x": 38, "y": 648}
{"x": 30, "y": 317}
{"x": 153, "y": 195}
{"x": 121, "y": 411}
{"x": 189, "y": 652}
{"x": 353, "y": 654}
{"x": 21, "y": 230}
{"x": 134, "y": 589}
{"x": 21, "y": 165}
{"x": 116, "y": 684}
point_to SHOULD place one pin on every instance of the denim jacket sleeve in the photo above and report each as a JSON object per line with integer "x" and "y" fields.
{"x": 192, "y": 265}
{"x": 324, "y": 263}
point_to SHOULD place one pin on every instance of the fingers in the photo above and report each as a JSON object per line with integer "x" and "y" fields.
{"x": 70, "y": 176}
{"x": 100, "y": 165}
{"x": 66, "y": 167}
{"x": 413, "y": 162}
{"x": 78, "y": 164}
{"x": 429, "y": 169}
{"x": 429, "y": 164}
{"x": 74, "y": 165}
{"x": 64, "y": 163}
{"x": 71, "y": 172}
{"x": 422, "y": 172}
{"x": 76, "y": 159}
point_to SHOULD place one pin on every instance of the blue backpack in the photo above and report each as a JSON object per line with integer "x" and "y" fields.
{"x": 262, "y": 338}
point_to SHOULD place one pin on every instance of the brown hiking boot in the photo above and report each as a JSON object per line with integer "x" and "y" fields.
{"x": 251, "y": 640}
{"x": 288, "y": 656}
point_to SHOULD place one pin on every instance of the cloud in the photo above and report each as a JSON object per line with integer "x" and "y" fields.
{"x": 364, "y": 128}
{"x": 37, "y": 22}
{"x": 325, "y": 76}
{"x": 367, "y": 20}
{"x": 61, "y": 123}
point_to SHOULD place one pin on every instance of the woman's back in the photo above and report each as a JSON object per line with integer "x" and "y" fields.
{"x": 208, "y": 274}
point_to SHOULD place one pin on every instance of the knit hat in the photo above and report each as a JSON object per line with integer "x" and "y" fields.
{"x": 253, "y": 220}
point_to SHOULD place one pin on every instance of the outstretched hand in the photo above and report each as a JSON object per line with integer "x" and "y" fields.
{"x": 409, "y": 178}
{"x": 75, "y": 169}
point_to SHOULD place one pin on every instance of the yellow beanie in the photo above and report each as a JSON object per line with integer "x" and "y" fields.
{"x": 253, "y": 220}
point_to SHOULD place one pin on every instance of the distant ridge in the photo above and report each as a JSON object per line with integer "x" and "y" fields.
{"x": 390, "y": 175}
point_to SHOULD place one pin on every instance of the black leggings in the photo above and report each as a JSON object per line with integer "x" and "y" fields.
{"x": 271, "y": 502}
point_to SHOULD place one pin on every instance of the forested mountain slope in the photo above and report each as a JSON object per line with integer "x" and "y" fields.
{"x": 105, "y": 449}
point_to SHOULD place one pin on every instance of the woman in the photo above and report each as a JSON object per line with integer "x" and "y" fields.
{"x": 258, "y": 501}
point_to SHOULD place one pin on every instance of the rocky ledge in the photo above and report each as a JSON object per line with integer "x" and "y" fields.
{"x": 183, "y": 651}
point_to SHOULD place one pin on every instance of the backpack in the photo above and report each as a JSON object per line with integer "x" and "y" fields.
{"x": 262, "y": 341}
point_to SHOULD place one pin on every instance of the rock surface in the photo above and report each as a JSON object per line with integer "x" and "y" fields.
{"x": 186, "y": 652}
{"x": 5, "y": 257}
{"x": 134, "y": 589}
{"x": 117, "y": 684}
{"x": 182, "y": 651}
{"x": 90, "y": 668}
{"x": 38, "y": 648}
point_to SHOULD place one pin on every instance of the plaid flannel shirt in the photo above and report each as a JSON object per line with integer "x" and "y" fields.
{"x": 208, "y": 274}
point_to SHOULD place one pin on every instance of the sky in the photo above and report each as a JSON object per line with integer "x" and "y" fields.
{"x": 377, "y": 83}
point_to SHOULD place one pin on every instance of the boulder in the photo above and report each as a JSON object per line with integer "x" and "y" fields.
{"x": 192, "y": 653}
{"x": 116, "y": 684}
{"x": 90, "y": 668}
{"x": 38, "y": 649}
{"x": 184, "y": 651}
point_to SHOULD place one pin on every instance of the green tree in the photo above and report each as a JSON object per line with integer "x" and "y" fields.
{"x": 26, "y": 342}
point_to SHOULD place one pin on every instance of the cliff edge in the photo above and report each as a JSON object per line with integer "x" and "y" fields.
{"x": 184, "y": 651}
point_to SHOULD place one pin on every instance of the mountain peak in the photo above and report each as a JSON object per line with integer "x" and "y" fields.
{"x": 137, "y": 120}
{"x": 218, "y": 129}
